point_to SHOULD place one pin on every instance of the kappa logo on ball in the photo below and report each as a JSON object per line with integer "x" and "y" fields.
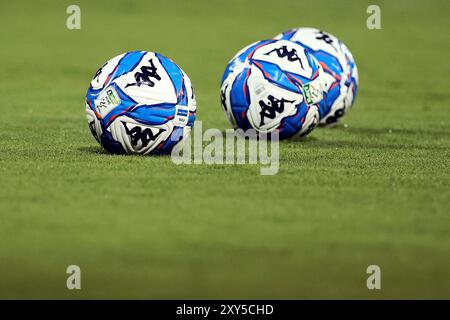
{"x": 284, "y": 52}
{"x": 142, "y": 135}
{"x": 272, "y": 107}
{"x": 223, "y": 97}
{"x": 324, "y": 36}
{"x": 143, "y": 77}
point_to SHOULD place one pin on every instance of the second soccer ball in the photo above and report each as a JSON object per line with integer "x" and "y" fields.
{"x": 273, "y": 85}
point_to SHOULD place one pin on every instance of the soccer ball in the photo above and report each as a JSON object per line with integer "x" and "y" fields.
{"x": 273, "y": 85}
{"x": 341, "y": 74}
{"x": 140, "y": 103}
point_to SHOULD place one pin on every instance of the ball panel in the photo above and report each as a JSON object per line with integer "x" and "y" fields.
{"x": 287, "y": 55}
{"x": 148, "y": 83}
{"x": 269, "y": 103}
{"x": 139, "y": 138}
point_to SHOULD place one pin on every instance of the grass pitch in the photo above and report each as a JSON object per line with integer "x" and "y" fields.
{"x": 375, "y": 191}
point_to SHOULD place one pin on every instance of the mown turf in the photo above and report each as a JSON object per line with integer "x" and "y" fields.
{"x": 375, "y": 191}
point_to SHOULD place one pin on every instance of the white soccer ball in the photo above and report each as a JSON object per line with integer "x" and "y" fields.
{"x": 140, "y": 103}
{"x": 273, "y": 85}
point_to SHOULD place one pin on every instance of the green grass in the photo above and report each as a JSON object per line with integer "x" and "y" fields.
{"x": 374, "y": 192}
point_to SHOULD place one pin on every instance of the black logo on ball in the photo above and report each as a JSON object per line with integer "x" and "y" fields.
{"x": 283, "y": 52}
{"x": 324, "y": 37}
{"x": 272, "y": 107}
{"x": 143, "y": 77}
{"x": 145, "y": 136}
{"x": 223, "y": 97}
{"x": 98, "y": 72}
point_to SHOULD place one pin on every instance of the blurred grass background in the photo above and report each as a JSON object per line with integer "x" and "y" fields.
{"x": 373, "y": 192}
